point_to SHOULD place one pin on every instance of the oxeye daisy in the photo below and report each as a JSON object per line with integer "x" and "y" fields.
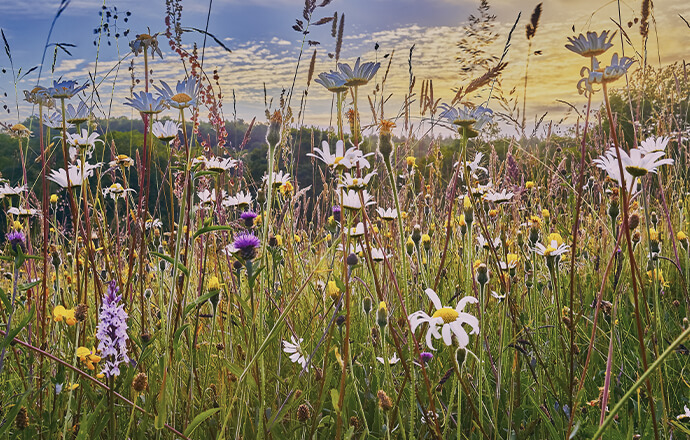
{"x": 185, "y": 94}
{"x": 498, "y": 197}
{"x": 295, "y": 351}
{"x": 279, "y": 178}
{"x": 220, "y": 164}
{"x": 165, "y": 131}
{"x": 450, "y": 320}
{"x": 638, "y": 164}
{"x": 325, "y": 156}
{"x": 654, "y": 144}
{"x": 74, "y": 175}
{"x": 145, "y": 103}
{"x": 333, "y": 81}
{"x": 353, "y": 182}
{"x": 358, "y": 75}
{"x": 65, "y": 89}
{"x": 591, "y": 45}
{"x": 239, "y": 199}
{"x": 351, "y": 200}
{"x": 79, "y": 115}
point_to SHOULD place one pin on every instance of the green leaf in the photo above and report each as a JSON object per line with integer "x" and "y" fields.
{"x": 12, "y": 414}
{"x": 208, "y": 229}
{"x": 95, "y": 414}
{"x": 335, "y": 397}
{"x": 171, "y": 260}
{"x": 15, "y": 331}
{"x": 178, "y": 333}
{"x": 199, "y": 419}
{"x": 198, "y": 303}
{"x": 28, "y": 286}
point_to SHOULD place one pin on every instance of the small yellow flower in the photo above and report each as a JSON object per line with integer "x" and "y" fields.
{"x": 426, "y": 238}
{"x": 467, "y": 203}
{"x": 555, "y": 237}
{"x": 297, "y": 238}
{"x": 279, "y": 240}
{"x": 403, "y": 215}
{"x": 411, "y": 161}
{"x": 332, "y": 290}
{"x": 513, "y": 260}
{"x": 329, "y": 237}
{"x": 657, "y": 275}
{"x": 461, "y": 220}
{"x": 493, "y": 213}
{"x": 213, "y": 284}
{"x": 545, "y": 213}
{"x": 17, "y": 225}
{"x": 653, "y": 234}
{"x": 476, "y": 264}
{"x": 60, "y": 313}
{"x": 257, "y": 220}
{"x": 529, "y": 184}
{"x": 286, "y": 188}
{"x": 53, "y": 198}
{"x": 536, "y": 221}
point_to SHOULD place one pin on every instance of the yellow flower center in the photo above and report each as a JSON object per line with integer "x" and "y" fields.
{"x": 449, "y": 315}
{"x": 338, "y": 159}
{"x": 181, "y": 98}
{"x": 549, "y": 250}
{"x": 143, "y": 37}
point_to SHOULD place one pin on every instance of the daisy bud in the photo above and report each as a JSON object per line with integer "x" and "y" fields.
{"x": 459, "y": 359}
{"x": 382, "y": 315}
{"x": 614, "y": 210}
{"x": 409, "y": 246}
{"x": 366, "y": 305}
{"x": 426, "y": 242}
{"x": 654, "y": 218}
{"x": 482, "y": 274}
{"x": 416, "y": 234}
{"x": 385, "y": 146}
{"x": 352, "y": 259}
{"x": 273, "y": 134}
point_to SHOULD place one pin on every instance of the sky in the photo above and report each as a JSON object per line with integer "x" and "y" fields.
{"x": 265, "y": 49}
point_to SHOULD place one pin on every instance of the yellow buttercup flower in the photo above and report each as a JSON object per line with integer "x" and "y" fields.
{"x": 529, "y": 184}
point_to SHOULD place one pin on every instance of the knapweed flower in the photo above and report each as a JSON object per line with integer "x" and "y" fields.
{"x": 144, "y": 42}
{"x": 145, "y": 103}
{"x": 450, "y": 320}
{"x": 89, "y": 357}
{"x": 17, "y": 240}
{"x": 333, "y": 81}
{"x": 246, "y": 244}
{"x": 294, "y": 349}
{"x": 591, "y": 45}
{"x": 60, "y": 314}
{"x": 248, "y": 218}
{"x": 426, "y": 357}
{"x": 65, "y": 89}
{"x": 184, "y": 96}
{"x": 112, "y": 332}
{"x": 360, "y": 74}
{"x": 165, "y": 131}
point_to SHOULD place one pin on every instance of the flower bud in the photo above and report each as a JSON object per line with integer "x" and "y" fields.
{"x": 382, "y": 315}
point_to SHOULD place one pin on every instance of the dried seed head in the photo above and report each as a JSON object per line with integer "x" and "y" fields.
{"x": 140, "y": 382}
{"x": 384, "y": 401}
{"x": 303, "y": 413}
{"x": 80, "y": 312}
{"x": 22, "y": 419}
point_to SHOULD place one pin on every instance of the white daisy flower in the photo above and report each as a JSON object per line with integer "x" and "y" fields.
{"x": 350, "y": 199}
{"x": 498, "y": 197}
{"x": 389, "y": 214}
{"x": 654, "y": 144}
{"x": 295, "y": 351}
{"x": 280, "y": 178}
{"x": 72, "y": 177}
{"x": 552, "y": 250}
{"x": 449, "y": 319}
{"x": 350, "y": 182}
{"x": 165, "y": 131}
{"x": 392, "y": 361}
{"x": 219, "y": 164}
{"x": 239, "y": 199}
{"x": 325, "y": 156}
{"x": 23, "y": 212}
{"x": 592, "y": 45}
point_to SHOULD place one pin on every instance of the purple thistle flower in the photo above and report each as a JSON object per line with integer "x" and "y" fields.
{"x": 112, "y": 332}
{"x": 426, "y": 357}
{"x": 16, "y": 238}
{"x": 246, "y": 243}
{"x": 248, "y": 217}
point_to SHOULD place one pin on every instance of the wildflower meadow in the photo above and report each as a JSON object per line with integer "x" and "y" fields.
{"x": 424, "y": 264}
